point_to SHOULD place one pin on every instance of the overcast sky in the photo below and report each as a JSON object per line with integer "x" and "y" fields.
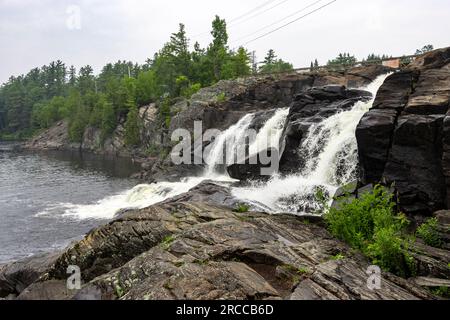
{"x": 35, "y": 32}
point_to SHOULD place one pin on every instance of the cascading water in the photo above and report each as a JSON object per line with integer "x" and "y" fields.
{"x": 145, "y": 195}
{"x": 333, "y": 159}
{"x": 270, "y": 133}
{"x": 228, "y": 142}
{"x": 331, "y": 145}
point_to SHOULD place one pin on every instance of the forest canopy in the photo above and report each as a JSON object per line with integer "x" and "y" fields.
{"x": 54, "y": 92}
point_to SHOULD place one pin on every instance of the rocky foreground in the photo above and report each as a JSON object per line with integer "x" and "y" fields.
{"x": 186, "y": 249}
{"x": 195, "y": 246}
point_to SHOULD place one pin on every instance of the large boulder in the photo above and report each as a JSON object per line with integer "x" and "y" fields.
{"x": 17, "y": 276}
{"x": 403, "y": 139}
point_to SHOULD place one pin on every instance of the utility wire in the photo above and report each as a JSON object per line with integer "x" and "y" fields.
{"x": 253, "y": 10}
{"x": 259, "y": 13}
{"x": 261, "y": 6}
{"x": 278, "y": 21}
{"x": 289, "y": 23}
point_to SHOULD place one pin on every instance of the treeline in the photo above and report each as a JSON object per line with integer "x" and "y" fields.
{"x": 45, "y": 95}
{"x": 344, "y": 60}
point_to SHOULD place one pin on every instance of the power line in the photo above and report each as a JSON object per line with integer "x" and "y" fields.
{"x": 253, "y": 10}
{"x": 259, "y": 13}
{"x": 289, "y": 23}
{"x": 278, "y": 21}
{"x": 261, "y": 6}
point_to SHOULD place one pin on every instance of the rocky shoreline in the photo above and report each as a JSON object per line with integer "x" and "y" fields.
{"x": 190, "y": 248}
{"x": 196, "y": 246}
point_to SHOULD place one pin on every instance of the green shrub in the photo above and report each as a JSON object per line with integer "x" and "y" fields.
{"x": 221, "y": 97}
{"x": 371, "y": 225}
{"x": 428, "y": 232}
{"x": 443, "y": 292}
{"x": 242, "y": 208}
{"x": 132, "y": 128}
{"x": 167, "y": 242}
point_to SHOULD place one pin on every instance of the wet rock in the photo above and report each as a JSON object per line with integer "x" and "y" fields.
{"x": 208, "y": 192}
{"x": 259, "y": 166}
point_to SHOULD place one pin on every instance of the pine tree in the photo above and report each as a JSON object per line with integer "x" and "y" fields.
{"x": 270, "y": 57}
{"x": 218, "y": 50}
{"x": 316, "y": 65}
{"x": 72, "y": 76}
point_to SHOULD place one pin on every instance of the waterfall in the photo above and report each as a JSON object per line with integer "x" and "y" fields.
{"x": 229, "y": 141}
{"x": 330, "y": 146}
{"x": 332, "y": 159}
{"x": 270, "y": 134}
{"x": 145, "y": 195}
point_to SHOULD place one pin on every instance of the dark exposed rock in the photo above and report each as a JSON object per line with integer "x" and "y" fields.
{"x": 446, "y": 155}
{"x": 415, "y": 163}
{"x": 208, "y": 192}
{"x": 17, "y": 276}
{"x": 374, "y": 141}
{"x": 259, "y": 166}
{"x": 403, "y": 139}
{"x": 180, "y": 250}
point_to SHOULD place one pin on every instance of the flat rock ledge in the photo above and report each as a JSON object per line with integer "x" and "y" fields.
{"x": 195, "y": 250}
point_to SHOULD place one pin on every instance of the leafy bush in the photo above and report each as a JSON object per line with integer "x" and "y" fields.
{"x": 428, "y": 232}
{"x": 242, "y": 208}
{"x": 371, "y": 225}
{"x": 221, "y": 97}
{"x": 443, "y": 292}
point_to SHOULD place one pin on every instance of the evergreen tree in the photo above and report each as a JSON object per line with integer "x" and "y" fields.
{"x": 272, "y": 65}
{"x": 316, "y": 65}
{"x": 270, "y": 57}
{"x": 72, "y": 76}
{"x": 425, "y": 49}
{"x": 109, "y": 119}
{"x": 218, "y": 51}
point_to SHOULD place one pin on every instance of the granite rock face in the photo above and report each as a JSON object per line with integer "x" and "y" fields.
{"x": 404, "y": 139}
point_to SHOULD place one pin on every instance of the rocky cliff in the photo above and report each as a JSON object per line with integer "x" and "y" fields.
{"x": 404, "y": 140}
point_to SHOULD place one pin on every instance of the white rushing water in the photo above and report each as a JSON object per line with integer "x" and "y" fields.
{"x": 270, "y": 133}
{"x": 145, "y": 195}
{"x": 333, "y": 158}
{"x": 228, "y": 141}
{"x": 332, "y": 161}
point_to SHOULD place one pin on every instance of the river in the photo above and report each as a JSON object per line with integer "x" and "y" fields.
{"x": 38, "y": 192}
